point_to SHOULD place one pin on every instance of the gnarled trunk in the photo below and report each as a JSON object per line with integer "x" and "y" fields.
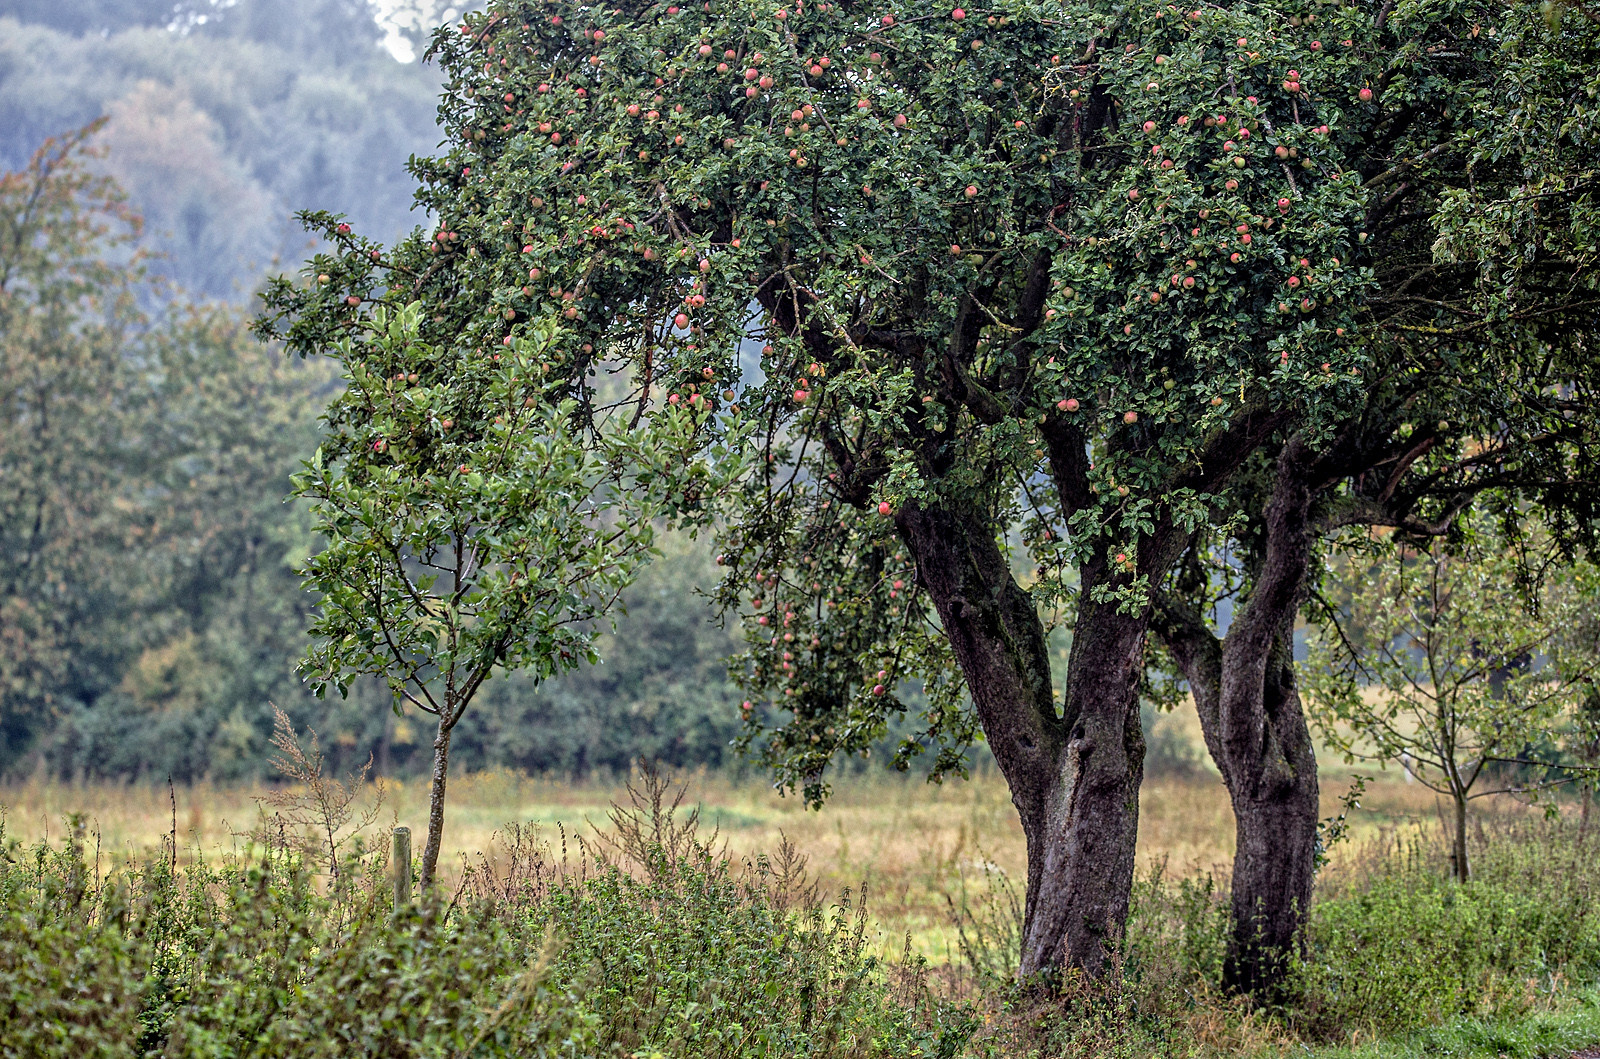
{"x": 1084, "y": 843}
{"x": 1275, "y": 804}
{"x": 1250, "y": 712}
{"x": 1074, "y": 778}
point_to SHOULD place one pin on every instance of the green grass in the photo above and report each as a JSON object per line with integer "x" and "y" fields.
{"x": 1571, "y": 1026}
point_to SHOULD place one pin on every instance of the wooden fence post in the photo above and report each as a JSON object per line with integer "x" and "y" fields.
{"x": 400, "y": 868}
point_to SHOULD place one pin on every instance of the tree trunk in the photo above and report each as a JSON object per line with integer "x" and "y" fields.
{"x": 1074, "y": 778}
{"x": 1255, "y": 729}
{"x": 441, "y": 768}
{"x": 1084, "y": 840}
{"x": 1461, "y": 866}
{"x": 1275, "y": 804}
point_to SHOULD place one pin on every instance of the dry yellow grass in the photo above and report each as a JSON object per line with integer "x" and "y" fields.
{"x": 910, "y": 842}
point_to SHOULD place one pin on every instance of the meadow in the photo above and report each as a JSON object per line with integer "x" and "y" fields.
{"x": 582, "y": 940}
{"x": 916, "y": 846}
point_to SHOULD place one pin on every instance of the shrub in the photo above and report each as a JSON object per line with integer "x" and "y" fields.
{"x": 1403, "y": 946}
{"x": 670, "y": 955}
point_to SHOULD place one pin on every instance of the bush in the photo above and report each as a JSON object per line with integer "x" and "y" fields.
{"x": 1403, "y": 946}
{"x": 648, "y": 948}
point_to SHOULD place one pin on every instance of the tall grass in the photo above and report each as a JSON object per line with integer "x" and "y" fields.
{"x": 646, "y": 943}
{"x": 1394, "y": 950}
{"x": 700, "y": 928}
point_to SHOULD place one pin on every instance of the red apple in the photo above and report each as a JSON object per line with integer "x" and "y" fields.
{"x": 680, "y": 321}
{"x": 884, "y": 507}
{"x": 958, "y": 14}
{"x": 1130, "y": 417}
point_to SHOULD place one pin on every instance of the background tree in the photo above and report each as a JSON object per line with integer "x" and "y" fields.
{"x": 146, "y": 610}
{"x": 1438, "y": 659}
{"x": 64, "y": 315}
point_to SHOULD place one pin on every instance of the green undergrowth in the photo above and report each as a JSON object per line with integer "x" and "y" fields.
{"x": 1399, "y": 959}
{"x": 1546, "y": 1034}
{"x": 642, "y": 941}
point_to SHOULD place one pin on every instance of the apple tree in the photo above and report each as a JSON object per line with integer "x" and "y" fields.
{"x": 1476, "y": 124}
{"x": 474, "y": 520}
{"x": 1052, "y": 300}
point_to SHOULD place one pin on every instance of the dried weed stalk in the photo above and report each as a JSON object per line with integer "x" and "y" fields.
{"x": 312, "y": 802}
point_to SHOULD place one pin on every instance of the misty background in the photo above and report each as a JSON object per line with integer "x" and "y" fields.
{"x": 149, "y": 634}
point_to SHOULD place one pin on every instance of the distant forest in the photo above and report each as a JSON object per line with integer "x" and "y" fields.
{"x": 225, "y": 119}
{"x": 149, "y": 611}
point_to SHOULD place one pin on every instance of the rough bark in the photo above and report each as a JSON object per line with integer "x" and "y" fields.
{"x": 441, "y": 769}
{"x": 1250, "y": 714}
{"x": 1074, "y": 778}
{"x": 1275, "y": 804}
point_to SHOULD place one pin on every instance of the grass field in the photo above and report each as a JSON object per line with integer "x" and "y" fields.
{"x": 912, "y": 843}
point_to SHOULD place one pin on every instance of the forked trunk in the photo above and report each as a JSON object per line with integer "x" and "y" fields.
{"x": 1074, "y": 776}
{"x": 441, "y": 769}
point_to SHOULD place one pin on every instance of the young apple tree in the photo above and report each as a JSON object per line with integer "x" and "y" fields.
{"x": 1439, "y": 657}
{"x": 470, "y": 526}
